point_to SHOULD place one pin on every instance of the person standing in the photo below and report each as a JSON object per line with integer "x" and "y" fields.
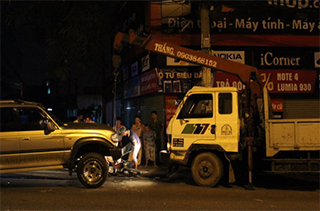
{"x": 149, "y": 139}
{"x": 138, "y": 128}
{"x": 136, "y": 144}
{"x": 79, "y": 119}
{"x": 156, "y": 125}
{"x": 117, "y": 128}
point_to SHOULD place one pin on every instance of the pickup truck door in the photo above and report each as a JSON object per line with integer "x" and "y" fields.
{"x": 9, "y": 139}
{"x": 195, "y": 122}
{"x": 38, "y": 148}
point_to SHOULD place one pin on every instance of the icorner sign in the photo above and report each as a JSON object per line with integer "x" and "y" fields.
{"x": 276, "y": 81}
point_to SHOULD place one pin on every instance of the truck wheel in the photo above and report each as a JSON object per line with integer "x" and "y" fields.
{"x": 92, "y": 170}
{"x": 207, "y": 169}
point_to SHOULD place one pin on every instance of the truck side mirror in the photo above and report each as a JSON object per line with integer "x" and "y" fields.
{"x": 50, "y": 127}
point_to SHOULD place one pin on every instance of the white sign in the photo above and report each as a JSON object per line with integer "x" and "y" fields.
{"x": 316, "y": 59}
{"x": 145, "y": 63}
{"x": 236, "y": 56}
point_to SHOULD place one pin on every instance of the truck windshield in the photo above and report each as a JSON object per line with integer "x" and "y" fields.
{"x": 197, "y": 106}
{"x": 58, "y": 121}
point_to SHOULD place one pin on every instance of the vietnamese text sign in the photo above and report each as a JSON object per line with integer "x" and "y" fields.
{"x": 252, "y": 17}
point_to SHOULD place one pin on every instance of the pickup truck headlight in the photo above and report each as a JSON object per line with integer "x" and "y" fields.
{"x": 115, "y": 138}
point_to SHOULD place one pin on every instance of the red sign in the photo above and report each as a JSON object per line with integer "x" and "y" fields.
{"x": 276, "y": 81}
{"x": 148, "y": 82}
{"x": 277, "y": 105}
{"x": 170, "y": 107}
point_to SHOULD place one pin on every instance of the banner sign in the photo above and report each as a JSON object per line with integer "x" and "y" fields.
{"x": 283, "y": 59}
{"x": 148, "y": 82}
{"x": 131, "y": 88}
{"x": 178, "y": 80}
{"x": 251, "y": 17}
{"x": 276, "y": 81}
{"x": 170, "y": 107}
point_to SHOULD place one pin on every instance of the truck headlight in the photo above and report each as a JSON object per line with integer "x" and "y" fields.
{"x": 169, "y": 148}
{"x": 115, "y": 138}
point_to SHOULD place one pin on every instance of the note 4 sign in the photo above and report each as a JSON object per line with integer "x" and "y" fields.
{"x": 276, "y": 81}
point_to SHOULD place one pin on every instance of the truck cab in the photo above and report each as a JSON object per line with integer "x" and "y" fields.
{"x": 206, "y": 116}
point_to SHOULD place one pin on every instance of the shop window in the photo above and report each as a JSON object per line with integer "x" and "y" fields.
{"x": 197, "y": 106}
{"x": 225, "y": 103}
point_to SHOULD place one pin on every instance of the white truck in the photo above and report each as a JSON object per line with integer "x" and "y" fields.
{"x": 214, "y": 127}
{"x": 208, "y": 128}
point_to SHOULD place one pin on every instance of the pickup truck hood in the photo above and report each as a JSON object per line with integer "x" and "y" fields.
{"x": 94, "y": 126}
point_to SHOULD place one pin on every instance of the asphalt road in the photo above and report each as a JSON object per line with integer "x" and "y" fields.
{"x": 55, "y": 190}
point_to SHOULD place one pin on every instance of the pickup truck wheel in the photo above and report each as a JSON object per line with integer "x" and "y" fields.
{"x": 92, "y": 170}
{"x": 207, "y": 169}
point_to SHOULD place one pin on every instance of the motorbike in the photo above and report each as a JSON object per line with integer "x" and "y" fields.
{"x": 122, "y": 166}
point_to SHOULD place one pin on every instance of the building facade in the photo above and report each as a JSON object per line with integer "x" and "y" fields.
{"x": 280, "y": 38}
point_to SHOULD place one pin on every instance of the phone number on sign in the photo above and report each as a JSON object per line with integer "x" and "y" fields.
{"x": 196, "y": 59}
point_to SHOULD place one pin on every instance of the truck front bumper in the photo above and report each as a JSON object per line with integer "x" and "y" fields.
{"x": 164, "y": 156}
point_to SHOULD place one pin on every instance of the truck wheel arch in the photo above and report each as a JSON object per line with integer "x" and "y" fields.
{"x": 196, "y": 149}
{"x": 86, "y": 145}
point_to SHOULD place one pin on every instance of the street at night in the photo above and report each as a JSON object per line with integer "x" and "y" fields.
{"x": 160, "y": 105}
{"x": 55, "y": 190}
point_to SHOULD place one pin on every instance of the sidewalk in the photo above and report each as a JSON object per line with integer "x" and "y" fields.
{"x": 151, "y": 171}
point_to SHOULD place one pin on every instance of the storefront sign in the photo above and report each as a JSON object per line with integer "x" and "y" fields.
{"x": 283, "y": 60}
{"x": 316, "y": 59}
{"x": 178, "y": 74}
{"x": 148, "y": 82}
{"x": 134, "y": 69}
{"x": 170, "y": 107}
{"x": 253, "y": 17}
{"x": 276, "y": 81}
{"x": 236, "y": 56}
{"x": 145, "y": 63}
{"x": 178, "y": 80}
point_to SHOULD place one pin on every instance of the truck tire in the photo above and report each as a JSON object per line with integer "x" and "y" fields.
{"x": 92, "y": 170}
{"x": 207, "y": 169}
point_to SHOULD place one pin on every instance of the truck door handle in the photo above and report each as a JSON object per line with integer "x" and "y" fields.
{"x": 26, "y": 139}
{"x": 213, "y": 129}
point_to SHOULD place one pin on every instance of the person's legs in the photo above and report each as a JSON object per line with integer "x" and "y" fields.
{"x": 135, "y": 152}
{"x": 153, "y": 156}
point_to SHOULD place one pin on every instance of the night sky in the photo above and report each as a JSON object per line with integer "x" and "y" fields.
{"x": 36, "y": 46}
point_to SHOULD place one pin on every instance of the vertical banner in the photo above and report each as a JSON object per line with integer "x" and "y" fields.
{"x": 170, "y": 107}
{"x": 148, "y": 82}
